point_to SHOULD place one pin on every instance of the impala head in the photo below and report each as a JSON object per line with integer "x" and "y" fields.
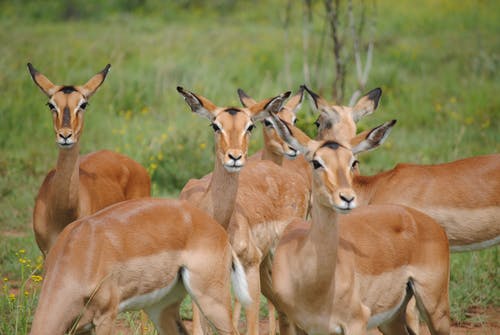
{"x": 232, "y": 126}
{"x": 67, "y": 104}
{"x": 332, "y": 163}
{"x": 288, "y": 113}
{"x": 340, "y": 121}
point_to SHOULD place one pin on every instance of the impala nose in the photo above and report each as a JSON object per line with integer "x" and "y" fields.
{"x": 347, "y": 198}
{"x": 234, "y": 158}
{"x": 65, "y": 137}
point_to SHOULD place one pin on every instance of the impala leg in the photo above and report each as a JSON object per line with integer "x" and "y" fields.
{"x": 272, "y": 318}
{"x": 412, "y": 319}
{"x": 434, "y": 307}
{"x": 105, "y": 323}
{"x": 212, "y": 296}
{"x": 167, "y": 319}
{"x": 252, "y": 311}
{"x": 286, "y": 327}
{"x": 199, "y": 322}
{"x": 236, "y": 313}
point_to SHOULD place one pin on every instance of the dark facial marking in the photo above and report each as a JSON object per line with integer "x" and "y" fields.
{"x": 66, "y": 122}
{"x": 67, "y": 89}
{"x": 232, "y": 110}
{"x": 332, "y": 145}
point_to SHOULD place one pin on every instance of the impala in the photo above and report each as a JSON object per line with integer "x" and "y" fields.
{"x": 275, "y": 149}
{"x": 139, "y": 254}
{"x": 462, "y": 196}
{"x": 342, "y": 274}
{"x": 254, "y": 210}
{"x": 79, "y": 185}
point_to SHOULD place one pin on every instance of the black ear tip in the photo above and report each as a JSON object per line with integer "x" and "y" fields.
{"x": 180, "y": 89}
{"x": 375, "y": 93}
{"x": 108, "y": 66}
{"x": 287, "y": 94}
{"x": 393, "y": 122}
{"x": 31, "y": 68}
{"x": 242, "y": 93}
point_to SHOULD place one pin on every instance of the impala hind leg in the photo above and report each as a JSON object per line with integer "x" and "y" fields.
{"x": 433, "y": 305}
{"x": 252, "y": 310}
{"x": 212, "y": 295}
{"x": 166, "y": 319}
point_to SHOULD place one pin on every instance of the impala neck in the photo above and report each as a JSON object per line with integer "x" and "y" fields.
{"x": 220, "y": 198}
{"x": 268, "y": 154}
{"x": 65, "y": 184}
{"x": 320, "y": 249}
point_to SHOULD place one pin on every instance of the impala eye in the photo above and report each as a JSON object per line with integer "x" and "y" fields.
{"x": 51, "y": 106}
{"x": 294, "y": 121}
{"x": 250, "y": 128}
{"x": 215, "y": 127}
{"x": 267, "y": 123}
{"x": 355, "y": 164}
{"x": 316, "y": 164}
{"x": 83, "y": 105}
{"x": 316, "y": 123}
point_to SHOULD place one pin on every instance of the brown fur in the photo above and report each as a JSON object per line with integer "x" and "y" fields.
{"x": 79, "y": 186}
{"x": 101, "y": 261}
{"x": 256, "y": 209}
{"x": 333, "y": 275}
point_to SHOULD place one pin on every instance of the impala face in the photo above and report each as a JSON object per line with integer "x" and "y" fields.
{"x": 275, "y": 142}
{"x": 67, "y": 104}
{"x": 333, "y": 169}
{"x": 340, "y": 121}
{"x": 67, "y": 107}
{"x": 232, "y": 128}
{"x": 287, "y": 113}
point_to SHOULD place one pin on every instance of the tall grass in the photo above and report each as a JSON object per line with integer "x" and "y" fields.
{"x": 436, "y": 62}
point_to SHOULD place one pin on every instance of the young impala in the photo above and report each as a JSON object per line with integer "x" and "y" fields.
{"x": 139, "y": 254}
{"x": 342, "y": 274}
{"x": 462, "y": 196}
{"x": 254, "y": 210}
{"x": 79, "y": 185}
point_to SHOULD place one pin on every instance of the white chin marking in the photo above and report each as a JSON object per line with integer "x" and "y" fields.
{"x": 65, "y": 145}
{"x": 233, "y": 168}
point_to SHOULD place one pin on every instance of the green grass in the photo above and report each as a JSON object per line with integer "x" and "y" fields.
{"x": 437, "y": 63}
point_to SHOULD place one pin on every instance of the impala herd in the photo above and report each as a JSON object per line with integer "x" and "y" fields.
{"x": 284, "y": 222}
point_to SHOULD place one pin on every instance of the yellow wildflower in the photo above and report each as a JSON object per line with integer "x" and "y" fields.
{"x": 12, "y": 297}
{"x": 203, "y": 146}
{"x": 36, "y": 278}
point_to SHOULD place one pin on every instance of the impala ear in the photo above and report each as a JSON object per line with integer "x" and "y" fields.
{"x": 367, "y": 104}
{"x": 43, "y": 82}
{"x": 94, "y": 83}
{"x": 198, "y": 104}
{"x": 262, "y": 109}
{"x": 372, "y": 139}
{"x": 246, "y": 101}
{"x": 295, "y": 102}
{"x": 321, "y": 105}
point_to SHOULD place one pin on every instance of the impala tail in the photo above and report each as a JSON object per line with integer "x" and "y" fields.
{"x": 239, "y": 281}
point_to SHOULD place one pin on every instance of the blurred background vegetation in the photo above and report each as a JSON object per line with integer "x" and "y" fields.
{"x": 436, "y": 61}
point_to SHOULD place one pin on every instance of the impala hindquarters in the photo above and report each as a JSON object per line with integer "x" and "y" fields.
{"x": 139, "y": 254}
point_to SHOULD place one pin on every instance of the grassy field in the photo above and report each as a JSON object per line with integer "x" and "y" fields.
{"x": 437, "y": 63}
